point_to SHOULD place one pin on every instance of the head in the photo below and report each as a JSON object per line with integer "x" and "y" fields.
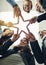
{"x": 27, "y": 5}
{"x": 24, "y": 42}
{"x": 39, "y": 8}
{"x": 42, "y": 33}
{"x": 7, "y": 33}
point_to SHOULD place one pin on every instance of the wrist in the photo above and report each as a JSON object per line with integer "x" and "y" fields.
{"x": 12, "y": 39}
{"x": 32, "y": 40}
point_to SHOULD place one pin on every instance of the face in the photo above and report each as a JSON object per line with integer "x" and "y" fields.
{"x": 42, "y": 33}
{"x": 23, "y": 42}
{"x": 27, "y": 6}
{"x": 8, "y": 32}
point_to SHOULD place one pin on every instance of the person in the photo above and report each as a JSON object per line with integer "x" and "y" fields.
{"x": 16, "y": 9}
{"x": 25, "y": 52}
{"x": 39, "y": 55}
{"x": 41, "y": 6}
{"x": 27, "y": 5}
{"x": 38, "y": 19}
{"x": 22, "y": 47}
{"x": 27, "y": 9}
{"x": 6, "y": 34}
{"x": 6, "y": 42}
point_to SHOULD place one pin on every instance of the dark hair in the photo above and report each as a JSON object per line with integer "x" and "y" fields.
{"x": 26, "y": 39}
{"x": 6, "y": 29}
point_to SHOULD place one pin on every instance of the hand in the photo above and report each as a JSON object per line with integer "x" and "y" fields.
{"x": 17, "y": 11}
{"x": 15, "y": 37}
{"x": 33, "y": 20}
{"x": 39, "y": 8}
{"x": 42, "y": 33}
{"x": 30, "y": 37}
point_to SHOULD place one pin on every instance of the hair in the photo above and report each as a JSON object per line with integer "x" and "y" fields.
{"x": 26, "y": 39}
{"x": 6, "y": 29}
{"x": 29, "y": 1}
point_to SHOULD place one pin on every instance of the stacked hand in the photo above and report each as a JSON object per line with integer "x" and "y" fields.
{"x": 17, "y": 11}
{"x": 15, "y": 37}
{"x": 39, "y": 8}
{"x": 33, "y": 20}
{"x": 30, "y": 37}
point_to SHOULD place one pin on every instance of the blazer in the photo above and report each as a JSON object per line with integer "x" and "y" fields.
{"x": 37, "y": 52}
{"x": 41, "y": 17}
{"x": 5, "y": 46}
{"x": 27, "y": 56}
{"x": 39, "y": 55}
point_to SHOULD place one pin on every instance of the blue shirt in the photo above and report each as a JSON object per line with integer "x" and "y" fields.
{"x": 12, "y": 2}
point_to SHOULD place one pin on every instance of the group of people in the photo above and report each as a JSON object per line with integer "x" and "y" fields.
{"x": 8, "y": 37}
{"x": 23, "y": 48}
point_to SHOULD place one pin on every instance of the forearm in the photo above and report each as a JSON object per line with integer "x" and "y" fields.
{"x": 41, "y": 17}
{"x": 37, "y": 51}
{"x": 12, "y": 2}
{"x": 7, "y": 53}
{"x": 6, "y": 45}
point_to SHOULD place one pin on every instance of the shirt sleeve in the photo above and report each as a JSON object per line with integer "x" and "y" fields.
{"x": 37, "y": 51}
{"x": 12, "y": 2}
{"x": 6, "y": 45}
{"x": 41, "y": 17}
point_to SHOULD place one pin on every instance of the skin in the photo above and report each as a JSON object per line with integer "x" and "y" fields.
{"x": 39, "y": 7}
{"x": 42, "y": 33}
{"x": 8, "y": 32}
{"x": 27, "y": 6}
{"x": 17, "y": 13}
{"x": 24, "y": 42}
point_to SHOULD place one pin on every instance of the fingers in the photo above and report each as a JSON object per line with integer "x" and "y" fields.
{"x": 39, "y": 8}
{"x": 30, "y": 36}
{"x": 23, "y": 32}
{"x": 15, "y": 37}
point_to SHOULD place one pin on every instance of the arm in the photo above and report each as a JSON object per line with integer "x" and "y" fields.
{"x": 8, "y": 43}
{"x": 11, "y": 51}
{"x": 12, "y": 2}
{"x": 41, "y": 17}
{"x": 35, "y": 47}
{"x": 37, "y": 51}
{"x": 44, "y": 47}
{"x": 4, "y": 47}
